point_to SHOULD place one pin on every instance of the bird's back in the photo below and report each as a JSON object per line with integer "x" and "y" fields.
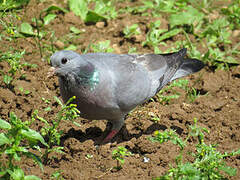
{"x": 130, "y": 82}
{"x": 136, "y": 78}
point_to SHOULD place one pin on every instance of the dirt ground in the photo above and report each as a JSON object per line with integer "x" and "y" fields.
{"x": 217, "y": 108}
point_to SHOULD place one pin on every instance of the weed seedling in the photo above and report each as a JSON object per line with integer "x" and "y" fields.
{"x": 131, "y": 31}
{"x": 103, "y": 10}
{"x": 156, "y": 36}
{"x": 15, "y": 141}
{"x": 102, "y": 46}
{"x": 15, "y": 65}
{"x": 57, "y": 175}
{"x": 132, "y": 50}
{"x": 119, "y": 154}
{"x": 51, "y": 131}
{"x": 23, "y": 91}
{"x": 163, "y": 98}
{"x": 208, "y": 163}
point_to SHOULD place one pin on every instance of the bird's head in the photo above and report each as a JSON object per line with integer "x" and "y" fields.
{"x": 65, "y": 61}
{"x": 73, "y": 68}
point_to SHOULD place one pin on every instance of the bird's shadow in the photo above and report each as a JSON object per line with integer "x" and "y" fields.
{"x": 97, "y": 135}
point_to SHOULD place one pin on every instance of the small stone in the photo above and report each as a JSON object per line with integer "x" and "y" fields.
{"x": 137, "y": 156}
{"x": 116, "y": 48}
{"x": 139, "y": 38}
{"x": 236, "y": 33}
{"x": 59, "y": 44}
{"x": 100, "y": 25}
{"x": 151, "y": 114}
{"x": 146, "y": 159}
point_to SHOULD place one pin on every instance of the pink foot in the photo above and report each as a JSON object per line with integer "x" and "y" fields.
{"x": 110, "y": 136}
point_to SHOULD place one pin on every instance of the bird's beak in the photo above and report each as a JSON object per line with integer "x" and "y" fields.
{"x": 51, "y": 72}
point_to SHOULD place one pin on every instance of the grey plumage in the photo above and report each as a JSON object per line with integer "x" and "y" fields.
{"x": 108, "y": 86}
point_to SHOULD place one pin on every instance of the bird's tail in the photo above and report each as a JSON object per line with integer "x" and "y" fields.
{"x": 189, "y": 66}
{"x": 177, "y": 67}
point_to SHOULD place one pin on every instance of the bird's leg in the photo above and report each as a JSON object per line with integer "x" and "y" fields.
{"x": 110, "y": 136}
{"x": 116, "y": 126}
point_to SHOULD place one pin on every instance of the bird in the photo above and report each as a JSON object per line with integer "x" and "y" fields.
{"x": 108, "y": 86}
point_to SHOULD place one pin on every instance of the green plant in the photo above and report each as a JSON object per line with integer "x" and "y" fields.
{"x": 103, "y": 10}
{"x": 57, "y": 175}
{"x": 208, "y": 163}
{"x": 119, "y": 154}
{"x": 163, "y": 96}
{"x": 15, "y": 65}
{"x": 219, "y": 59}
{"x": 214, "y": 31}
{"x": 106, "y": 8}
{"x": 102, "y": 46}
{"x": 9, "y": 21}
{"x": 157, "y": 7}
{"x": 232, "y": 12}
{"x": 192, "y": 18}
{"x": 47, "y": 15}
{"x": 154, "y": 117}
{"x": 192, "y": 94}
{"x": 89, "y": 156}
{"x": 12, "y": 4}
{"x": 25, "y": 92}
{"x": 132, "y": 50}
{"x": 15, "y": 142}
{"x": 133, "y": 30}
{"x": 51, "y": 131}
{"x": 155, "y": 35}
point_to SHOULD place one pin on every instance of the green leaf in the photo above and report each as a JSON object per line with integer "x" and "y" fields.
{"x": 58, "y": 100}
{"x": 105, "y": 8}
{"x": 169, "y": 34}
{"x": 121, "y": 160}
{"x": 75, "y": 30}
{"x": 71, "y": 47}
{"x": 4, "y": 124}
{"x": 17, "y": 174}
{"x": 190, "y": 171}
{"x": 27, "y": 29}
{"x": 48, "y": 18}
{"x": 77, "y": 124}
{"x": 102, "y": 46}
{"x": 15, "y": 149}
{"x": 48, "y": 109}
{"x": 229, "y": 60}
{"x": 229, "y": 170}
{"x": 31, "y": 177}
{"x": 12, "y": 4}
{"x": 4, "y": 139}
{"x": 7, "y": 79}
{"x": 2, "y": 173}
{"x": 94, "y": 17}
{"x": 33, "y": 135}
{"x": 189, "y": 17}
{"x": 55, "y": 8}
{"x": 79, "y": 7}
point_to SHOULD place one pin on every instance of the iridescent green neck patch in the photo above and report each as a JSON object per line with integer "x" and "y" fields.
{"x": 94, "y": 80}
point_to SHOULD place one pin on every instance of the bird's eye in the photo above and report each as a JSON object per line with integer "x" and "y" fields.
{"x": 64, "y": 60}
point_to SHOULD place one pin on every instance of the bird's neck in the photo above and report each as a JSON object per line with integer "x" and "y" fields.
{"x": 93, "y": 80}
{"x": 87, "y": 77}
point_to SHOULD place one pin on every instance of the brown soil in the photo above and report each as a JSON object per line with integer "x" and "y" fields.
{"x": 217, "y": 109}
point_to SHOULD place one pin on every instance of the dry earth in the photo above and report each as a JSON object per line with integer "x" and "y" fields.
{"x": 217, "y": 108}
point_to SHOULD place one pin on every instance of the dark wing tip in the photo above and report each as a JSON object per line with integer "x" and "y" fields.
{"x": 192, "y": 65}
